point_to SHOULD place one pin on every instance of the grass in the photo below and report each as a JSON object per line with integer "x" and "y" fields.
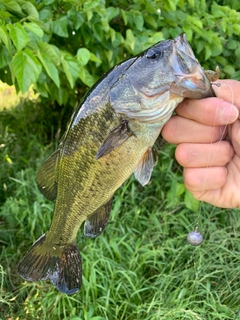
{"x": 141, "y": 267}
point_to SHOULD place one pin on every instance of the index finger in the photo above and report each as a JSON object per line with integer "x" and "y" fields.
{"x": 209, "y": 111}
{"x": 228, "y": 91}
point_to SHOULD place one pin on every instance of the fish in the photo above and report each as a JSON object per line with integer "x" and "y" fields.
{"x": 109, "y": 136}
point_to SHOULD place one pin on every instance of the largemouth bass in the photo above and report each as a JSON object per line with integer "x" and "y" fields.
{"x": 109, "y": 137}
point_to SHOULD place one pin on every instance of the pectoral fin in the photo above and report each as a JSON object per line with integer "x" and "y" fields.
{"x": 144, "y": 169}
{"x": 47, "y": 176}
{"x": 97, "y": 222}
{"x": 115, "y": 138}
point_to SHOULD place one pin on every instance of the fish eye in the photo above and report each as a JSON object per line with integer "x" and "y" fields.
{"x": 154, "y": 54}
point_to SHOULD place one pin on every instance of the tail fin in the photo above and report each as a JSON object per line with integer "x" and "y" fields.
{"x": 60, "y": 264}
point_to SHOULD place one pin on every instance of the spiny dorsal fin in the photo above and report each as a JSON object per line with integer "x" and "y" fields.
{"x": 97, "y": 222}
{"x": 47, "y": 176}
{"x": 115, "y": 138}
{"x": 145, "y": 166}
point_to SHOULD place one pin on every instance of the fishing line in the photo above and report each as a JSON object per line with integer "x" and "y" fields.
{"x": 195, "y": 237}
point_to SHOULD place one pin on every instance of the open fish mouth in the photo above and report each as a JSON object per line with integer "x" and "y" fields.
{"x": 191, "y": 80}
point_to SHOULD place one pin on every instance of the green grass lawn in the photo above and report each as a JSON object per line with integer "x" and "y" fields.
{"x": 141, "y": 267}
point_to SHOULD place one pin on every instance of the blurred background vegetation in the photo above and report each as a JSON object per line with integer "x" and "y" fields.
{"x": 51, "y": 52}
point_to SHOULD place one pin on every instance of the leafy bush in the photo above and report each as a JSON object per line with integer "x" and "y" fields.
{"x": 60, "y": 45}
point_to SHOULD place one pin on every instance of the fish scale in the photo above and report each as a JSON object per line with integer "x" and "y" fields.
{"x": 110, "y": 136}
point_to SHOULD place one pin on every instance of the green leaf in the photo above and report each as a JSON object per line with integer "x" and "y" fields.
{"x": 111, "y": 13}
{"x": 51, "y": 51}
{"x": 157, "y": 36}
{"x": 130, "y": 40}
{"x": 104, "y": 25}
{"x": 91, "y": 4}
{"x": 221, "y": 60}
{"x": 48, "y": 1}
{"x": 237, "y": 53}
{"x": 31, "y": 10}
{"x": 124, "y": 16}
{"x": 70, "y": 68}
{"x": 60, "y": 27}
{"x": 188, "y": 31}
{"x": 191, "y": 2}
{"x": 12, "y": 6}
{"x": 229, "y": 69}
{"x": 173, "y": 194}
{"x": 83, "y": 56}
{"x": 149, "y": 19}
{"x": 172, "y": 5}
{"x": 45, "y": 15}
{"x": 117, "y": 40}
{"x": 217, "y": 11}
{"x": 50, "y": 68}
{"x": 41, "y": 85}
{"x": 236, "y": 75}
{"x": 89, "y": 15}
{"x": 5, "y": 57}
{"x": 195, "y": 20}
{"x": 94, "y": 58}
{"x": 18, "y": 35}
{"x": 190, "y": 202}
{"x": 236, "y": 28}
{"x": 232, "y": 44}
{"x": 208, "y": 52}
{"x": 26, "y": 68}
{"x": 74, "y": 70}
{"x": 61, "y": 95}
{"x": 138, "y": 21}
{"x": 67, "y": 71}
{"x": 98, "y": 31}
{"x": 86, "y": 77}
{"x": 5, "y": 39}
{"x": 77, "y": 17}
{"x": 34, "y": 28}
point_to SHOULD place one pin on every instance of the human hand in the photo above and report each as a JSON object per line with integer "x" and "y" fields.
{"x": 207, "y": 134}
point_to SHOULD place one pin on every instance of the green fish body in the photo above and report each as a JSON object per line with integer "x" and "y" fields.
{"x": 109, "y": 137}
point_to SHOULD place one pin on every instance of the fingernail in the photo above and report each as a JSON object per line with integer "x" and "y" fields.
{"x": 229, "y": 114}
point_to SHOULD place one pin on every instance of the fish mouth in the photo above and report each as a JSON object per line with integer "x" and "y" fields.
{"x": 190, "y": 79}
{"x": 195, "y": 85}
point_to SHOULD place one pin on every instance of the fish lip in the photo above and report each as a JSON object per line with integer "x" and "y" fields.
{"x": 191, "y": 81}
{"x": 198, "y": 84}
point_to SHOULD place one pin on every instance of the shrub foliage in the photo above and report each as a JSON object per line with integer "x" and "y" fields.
{"x": 62, "y": 47}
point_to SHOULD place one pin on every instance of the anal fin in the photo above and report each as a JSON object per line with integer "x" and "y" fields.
{"x": 47, "y": 176}
{"x": 115, "y": 138}
{"x": 97, "y": 222}
{"x": 145, "y": 166}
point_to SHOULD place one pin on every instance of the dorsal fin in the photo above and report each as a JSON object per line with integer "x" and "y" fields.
{"x": 97, "y": 222}
{"x": 47, "y": 176}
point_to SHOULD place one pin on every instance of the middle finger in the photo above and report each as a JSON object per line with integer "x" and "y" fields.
{"x": 178, "y": 130}
{"x": 204, "y": 155}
